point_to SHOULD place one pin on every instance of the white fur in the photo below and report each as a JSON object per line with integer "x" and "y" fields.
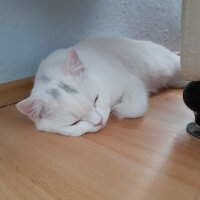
{"x": 122, "y": 72}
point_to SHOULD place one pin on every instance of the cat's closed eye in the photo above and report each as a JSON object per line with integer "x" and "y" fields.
{"x": 96, "y": 100}
{"x": 76, "y": 122}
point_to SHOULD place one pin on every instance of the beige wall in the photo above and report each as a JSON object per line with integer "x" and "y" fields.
{"x": 190, "y": 50}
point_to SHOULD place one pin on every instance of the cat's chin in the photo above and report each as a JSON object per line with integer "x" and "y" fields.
{"x": 68, "y": 132}
{"x": 95, "y": 129}
{"x": 91, "y": 130}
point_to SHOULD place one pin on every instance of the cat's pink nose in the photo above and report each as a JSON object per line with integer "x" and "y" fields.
{"x": 100, "y": 123}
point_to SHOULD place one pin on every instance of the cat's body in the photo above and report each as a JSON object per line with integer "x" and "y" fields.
{"x": 76, "y": 89}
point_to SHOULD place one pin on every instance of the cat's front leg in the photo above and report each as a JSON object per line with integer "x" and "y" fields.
{"x": 133, "y": 102}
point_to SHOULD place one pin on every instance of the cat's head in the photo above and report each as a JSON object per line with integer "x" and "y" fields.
{"x": 65, "y": 104}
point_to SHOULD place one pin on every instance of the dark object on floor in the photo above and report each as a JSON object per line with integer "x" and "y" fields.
{"x": 191, "y": 97}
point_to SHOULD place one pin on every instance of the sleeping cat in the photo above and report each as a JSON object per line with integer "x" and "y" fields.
{"x": 75, "y": 89}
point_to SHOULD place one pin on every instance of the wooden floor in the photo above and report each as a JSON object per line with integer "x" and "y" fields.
{"x": 152, "y": 158}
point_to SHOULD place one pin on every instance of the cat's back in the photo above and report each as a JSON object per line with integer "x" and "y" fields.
{"x": 150, "y": 62}
{"x": 135, "y": 55}
{"x": 115, "y": 54}
{"x": 113, "y": 45}
{"x": 125, "y": 49}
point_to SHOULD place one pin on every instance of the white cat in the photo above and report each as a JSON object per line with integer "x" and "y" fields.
{"x": 75, "y": 89}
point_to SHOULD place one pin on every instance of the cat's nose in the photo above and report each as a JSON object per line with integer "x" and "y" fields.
{"x": 95, "y": 118}
{"x": 99, "y": 123}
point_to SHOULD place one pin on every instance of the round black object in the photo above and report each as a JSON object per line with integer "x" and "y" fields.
{"x": 191, "y": 96}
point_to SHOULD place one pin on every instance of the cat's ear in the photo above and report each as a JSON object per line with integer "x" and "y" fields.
{"x": 34, "y": 108}
{"x": 72, "y": 64}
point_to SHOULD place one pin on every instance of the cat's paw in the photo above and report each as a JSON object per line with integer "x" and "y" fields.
{"x": 123, "y": 110}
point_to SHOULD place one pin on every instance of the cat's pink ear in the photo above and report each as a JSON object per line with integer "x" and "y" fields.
{"x": 34, "y": 108}
{"x": 72, "y": 64}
